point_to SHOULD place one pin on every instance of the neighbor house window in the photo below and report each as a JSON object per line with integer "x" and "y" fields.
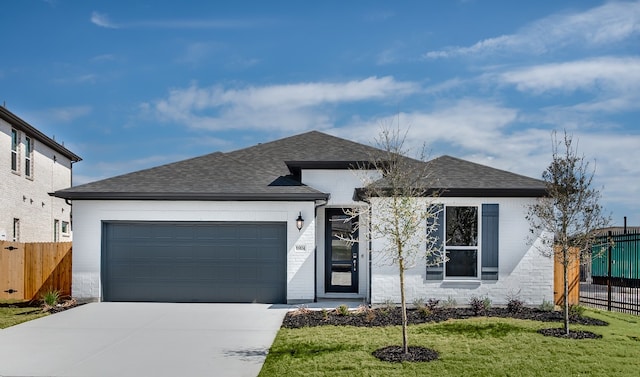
{"x": 65, "y": 227}
{"x": 28, "y": 156}
{"x": 16, "y": 230}
{"x": 14, "y": 150}
{"x": 461, "y": 241}
{"x": 56, "y": 230}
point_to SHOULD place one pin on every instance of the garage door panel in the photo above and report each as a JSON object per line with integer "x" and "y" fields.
{"x": 194, "y": 262}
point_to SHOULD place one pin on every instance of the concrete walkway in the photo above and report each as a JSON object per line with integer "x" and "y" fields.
{"x": 143, "y": 339}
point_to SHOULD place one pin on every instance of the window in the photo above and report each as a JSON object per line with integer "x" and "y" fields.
{"x": 28, "y": 156}
{"x": 461, "y": 242}
{"x": 14, "y": 150}
{"x": 16, "y": 230}
{"x": 56, "y": 230}
{"x": 457, "y": 232}
{"x": 65, "y": 227}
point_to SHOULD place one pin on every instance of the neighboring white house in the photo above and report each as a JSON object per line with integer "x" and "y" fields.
{"x": 33, "y": 166}
{"x": 259, "y": 225}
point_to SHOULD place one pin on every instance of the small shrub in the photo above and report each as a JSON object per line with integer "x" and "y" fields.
{"x": 389, "y": 305}
{"x": 449, "y": 303}
{"x": 424, "y": 311}
{"x": 546, "y": 306}
{"x": 325, "y": 314}
{"x": 432, "y": 304}
{"x": 301, "y": 310}
{"x": 361, "y": 309}
{"x": 515, "y": 305}
{"x": 370, "y": 315}
{"x": 51, "y": 297}
{"x": 480, "y": 305}
{"x": 342, "y": 310}
{"x": 576, "y": 311}
{"x": 418, "y": 302}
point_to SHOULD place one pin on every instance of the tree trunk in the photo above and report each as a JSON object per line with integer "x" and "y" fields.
{"x": 565, "y": 267}
{"x": 403, "y": 304}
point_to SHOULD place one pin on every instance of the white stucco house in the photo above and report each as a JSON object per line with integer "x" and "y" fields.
{"x": 259, "y": 225}
{"x": 33, "y": 167}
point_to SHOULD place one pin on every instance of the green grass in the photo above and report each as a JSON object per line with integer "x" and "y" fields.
{"x": 10, "y": 316}
{"x": 472, "y": 347}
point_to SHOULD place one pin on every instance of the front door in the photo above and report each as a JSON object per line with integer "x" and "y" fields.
{"x": 341, "y": 256}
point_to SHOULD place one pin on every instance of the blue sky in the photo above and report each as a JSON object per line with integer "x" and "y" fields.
{"x": 134, "y": 84}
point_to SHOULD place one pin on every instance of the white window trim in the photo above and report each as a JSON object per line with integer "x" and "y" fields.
{"x": 63, "y": 227}
{"x": 28, "y": 156}
{"x": 56, "y": 230}
{"x": 15, "y": 152}
{"x": 16, "y": 230}
{"x": 478, "y": 247}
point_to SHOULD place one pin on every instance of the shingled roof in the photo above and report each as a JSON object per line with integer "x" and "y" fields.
{"x": 270, "y": 171}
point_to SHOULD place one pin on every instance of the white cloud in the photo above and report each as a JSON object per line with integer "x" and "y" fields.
{"x": 607, "y": 85}
{"x": 102, "y": 20}
{"x": 68, "y": 114}
{"x": 197, "y": 52}
{"x": 487, "y": 133}
{"x": 103, "y": 58}
{"x": 88, "y": 78}
{"x": 591, "y": 74}
{"x": 471, "y": 125}
{"x": 288, "y": 107}
{"x": 194, "y": 24}
{"x": 600, "y": 26}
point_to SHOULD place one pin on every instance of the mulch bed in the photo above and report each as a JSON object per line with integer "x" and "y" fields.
{"x": 393, "y": 316}
{"x": 573, "y": 334}
{"x": 395, "y": 354}
{"x": 62, "y": 306}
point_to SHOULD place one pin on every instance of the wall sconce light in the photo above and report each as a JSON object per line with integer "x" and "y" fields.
{"x": 299, "y": 222}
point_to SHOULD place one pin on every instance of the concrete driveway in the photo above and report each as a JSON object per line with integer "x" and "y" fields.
{"x": 143, "y": 339}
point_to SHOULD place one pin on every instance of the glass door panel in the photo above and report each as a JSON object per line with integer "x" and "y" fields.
{"x": 341, "y": 255}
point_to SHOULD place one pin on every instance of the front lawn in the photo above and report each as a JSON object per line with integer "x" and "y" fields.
{"x": 11, "y": 315}
{"x": 482, "y": 346}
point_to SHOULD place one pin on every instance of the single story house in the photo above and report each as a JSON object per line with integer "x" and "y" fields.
{"x": 259, "y": 224}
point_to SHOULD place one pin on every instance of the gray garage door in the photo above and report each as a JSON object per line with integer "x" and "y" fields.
{"x": 194, "y": 262}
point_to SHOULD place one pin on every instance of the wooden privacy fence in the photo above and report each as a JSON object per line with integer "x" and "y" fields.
{"x": 27, "y": 270}
{"x": 573, "y": 274}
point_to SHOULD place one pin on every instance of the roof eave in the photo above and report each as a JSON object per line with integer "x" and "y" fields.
{"x": 294, "y": 197}
{"x": 479, "y": 192}
{"x": 19, "y": 123}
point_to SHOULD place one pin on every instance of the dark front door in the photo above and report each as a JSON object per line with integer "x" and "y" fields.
{"x": 341, "y": 256}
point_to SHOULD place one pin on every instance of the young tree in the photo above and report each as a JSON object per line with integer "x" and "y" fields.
{"x": 399, "y": 201}
{"x": 571, "y": 212}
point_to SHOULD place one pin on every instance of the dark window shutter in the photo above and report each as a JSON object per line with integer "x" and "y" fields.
{"x": 436, "y": 272}
{"x": 490, "y": 234}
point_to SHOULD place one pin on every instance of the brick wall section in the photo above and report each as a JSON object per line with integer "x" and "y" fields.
{"x": 523, "y": 271}
{"x": 28, "y": 198}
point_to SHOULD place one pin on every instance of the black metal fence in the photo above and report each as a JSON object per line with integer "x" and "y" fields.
{"x": 611, "y": 280}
